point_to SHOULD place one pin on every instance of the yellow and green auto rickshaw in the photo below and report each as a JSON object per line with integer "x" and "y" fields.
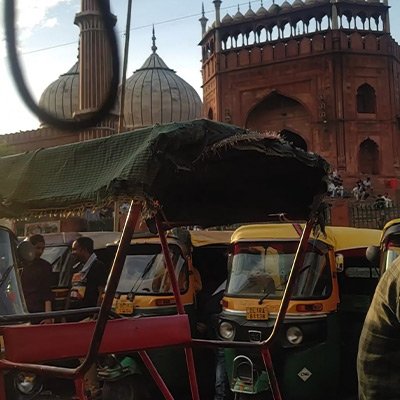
{"x": 312, "y": 356}
{"x": 382, "y": 255}
{"x": 144, "y": 290}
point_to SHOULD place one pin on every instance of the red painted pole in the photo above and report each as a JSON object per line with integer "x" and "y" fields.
{"x": 287, "y": 296}
{"x": 181, "y": 310}
{"x": 156, "y": 376}
{"x": 112, "y": 284}
{"x": 276, "y": 393}
{"x": 194, "y": 387}
{"x": 170, "y": 266}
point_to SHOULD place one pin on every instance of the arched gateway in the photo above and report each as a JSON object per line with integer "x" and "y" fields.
{"x": 281, "y": 114}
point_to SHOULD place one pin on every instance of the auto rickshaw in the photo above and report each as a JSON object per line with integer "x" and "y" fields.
{"x": 199, "y": 259}
{"x": 382, "y": 255}
{"x": 196, "y": 173}
{"x": 323, "y": 321}
{"x": 19, "y": 385}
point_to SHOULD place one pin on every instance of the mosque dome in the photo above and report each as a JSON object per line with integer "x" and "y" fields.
{"x": 286, "y": 6}
{"x": 262, "y": 10}
{"x": 238, "y": 16}
{"x": 155, "y": 94}
{"x": 274, "y": 8}
{"x": 227, "y": 19}
{"x": 298, "y": 3}
{"x": 250, "y": 13}
{"x": 61, "y": 98}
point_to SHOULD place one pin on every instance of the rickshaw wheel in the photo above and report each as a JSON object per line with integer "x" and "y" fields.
{"x": 127, "y": 388}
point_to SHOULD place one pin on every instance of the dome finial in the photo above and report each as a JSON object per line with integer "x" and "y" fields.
{"x": 154, "y": 47}
{"x": 262, "y": 4}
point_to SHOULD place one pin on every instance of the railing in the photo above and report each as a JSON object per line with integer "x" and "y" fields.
{"x": 367, "y": 215}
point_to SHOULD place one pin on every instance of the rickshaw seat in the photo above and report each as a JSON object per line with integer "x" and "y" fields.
{"x": 39, "y": 343}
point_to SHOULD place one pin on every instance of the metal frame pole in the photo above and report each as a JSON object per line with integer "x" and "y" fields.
{"x": 181, "y": 310}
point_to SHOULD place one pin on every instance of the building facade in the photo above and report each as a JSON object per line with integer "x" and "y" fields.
{"x": 323, "y": 73}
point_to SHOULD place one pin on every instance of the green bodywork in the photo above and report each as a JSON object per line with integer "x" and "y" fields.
{"x": 318, "y": 364}
{"x": 127, "y": 366}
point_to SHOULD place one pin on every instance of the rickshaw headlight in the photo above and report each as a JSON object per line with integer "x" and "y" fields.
{"x": 227, "y": 330}
{"x": 294, "y": 335}
{"x": 25, "y": 382}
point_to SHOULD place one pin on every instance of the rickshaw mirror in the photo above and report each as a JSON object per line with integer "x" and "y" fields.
{"x": 26, "y": 251}
{"x": 339, "y": 262}
{"x": 373, "y": 255}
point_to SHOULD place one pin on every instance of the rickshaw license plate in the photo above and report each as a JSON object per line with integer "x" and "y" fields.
{"x": 256, "y": 313}
{"x": 124, "y": 307}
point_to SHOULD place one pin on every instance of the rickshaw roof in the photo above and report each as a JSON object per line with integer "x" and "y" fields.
{"x": 391, "y": 227}
{"x": 340, "y": 238}
{"x": 198, "y": 172}
{"x": 201, "y": 238}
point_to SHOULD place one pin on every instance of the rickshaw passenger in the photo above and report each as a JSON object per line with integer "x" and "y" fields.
{"x": 378, "y": 361}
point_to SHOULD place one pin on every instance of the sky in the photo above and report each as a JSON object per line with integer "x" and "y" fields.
{"x": 48, "y": 43}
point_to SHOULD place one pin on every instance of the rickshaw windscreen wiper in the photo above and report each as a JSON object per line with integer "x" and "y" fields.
{"x": 270, "y": 292}
{"x": 5, "y": 275}
{"x": 264, "y": 297}
{"x": 145, "y": 271}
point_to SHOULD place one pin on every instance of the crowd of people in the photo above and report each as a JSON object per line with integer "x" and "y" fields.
{"x": 362, "y": 191}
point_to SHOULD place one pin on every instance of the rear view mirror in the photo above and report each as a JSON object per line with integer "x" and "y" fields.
{"x": 373, "y": 255}
{"x": 26, "y": 251}
{"x": 339, "y": 262}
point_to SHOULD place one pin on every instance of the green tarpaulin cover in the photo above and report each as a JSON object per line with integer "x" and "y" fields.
{"x": 199, "y": 171}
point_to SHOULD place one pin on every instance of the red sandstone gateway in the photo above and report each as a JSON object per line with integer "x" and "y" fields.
{"x": 196, "y": 173}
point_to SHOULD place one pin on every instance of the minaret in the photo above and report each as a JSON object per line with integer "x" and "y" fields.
{"x": 95, "y": 62}
{"x": 203, "y": 20}
{"x": 217, "y": 4}
{"x": 386, "y": 20}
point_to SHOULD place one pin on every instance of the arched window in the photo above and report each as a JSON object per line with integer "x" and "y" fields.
{"x": 366, "y": 99}
{"x": 210, "y": 114}
{"x": 368, "y": 159}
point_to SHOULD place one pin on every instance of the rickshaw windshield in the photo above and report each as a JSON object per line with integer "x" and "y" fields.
{"x": 391, "y": 253}
{"x": 145, "y": 273}
{"x": 10, "y": 295}
{"x": 262, "y": 269}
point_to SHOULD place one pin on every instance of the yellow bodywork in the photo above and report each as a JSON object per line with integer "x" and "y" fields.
{"x": 340, "y": 238}
{"x": 337, "y": 238}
